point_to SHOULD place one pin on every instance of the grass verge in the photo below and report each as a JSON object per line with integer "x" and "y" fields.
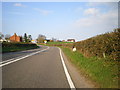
{"x": 100, "y": 70}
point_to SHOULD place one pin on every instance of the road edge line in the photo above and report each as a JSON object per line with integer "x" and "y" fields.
{"x": 71, "y": 84}
{"x": 9, "y": 62}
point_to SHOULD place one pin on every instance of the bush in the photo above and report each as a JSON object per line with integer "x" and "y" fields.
{"x": 11, "y": 44}
{"x": 102, "y": 45}
{"x": 18, "y": 46}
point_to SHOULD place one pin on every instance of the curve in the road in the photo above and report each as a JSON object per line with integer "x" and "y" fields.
{"x": 69, "y": 80}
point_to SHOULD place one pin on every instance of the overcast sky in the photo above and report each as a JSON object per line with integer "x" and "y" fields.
{"x": 61, "y": 20}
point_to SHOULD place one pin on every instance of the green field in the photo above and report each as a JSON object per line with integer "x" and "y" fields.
{"x": 100, "y": 70}
{"x": 57, "y": 44}
{"x": 50, "y": 43}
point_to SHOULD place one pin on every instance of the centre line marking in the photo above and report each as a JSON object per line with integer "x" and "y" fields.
{"x": 9, "y": 61}
{"x": 72, "y": 86}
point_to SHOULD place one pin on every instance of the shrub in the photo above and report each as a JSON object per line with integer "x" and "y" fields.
{"x": 17, "y": 46}
{"x": 102, "y": 45}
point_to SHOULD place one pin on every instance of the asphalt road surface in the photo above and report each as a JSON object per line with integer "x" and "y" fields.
{"x": 11, "y": 55}
{"x": 41, "y": 70}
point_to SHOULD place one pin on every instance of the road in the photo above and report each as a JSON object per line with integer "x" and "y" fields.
{"x": 11, "y": 55}
{"x": 43, "y": 69}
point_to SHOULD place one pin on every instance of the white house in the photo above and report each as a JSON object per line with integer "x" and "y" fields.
{"x": 4, "y": 40}
{"x": 71, "y": 40}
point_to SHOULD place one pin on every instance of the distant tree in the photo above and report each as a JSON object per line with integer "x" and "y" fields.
{"x": 7, "y": 36}
{"x": 1, "y": 35}
{"x": 29, "y": 38}
{"x": 21, "y": 38}
{"x": 54, "y": 40}
{"x": 41, "y": 38}
{"x": 25, "y": 37}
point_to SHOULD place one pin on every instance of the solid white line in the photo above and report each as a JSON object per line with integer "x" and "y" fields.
{"x": 6, "y": 61}
{"x": 9, "y": 61}
{"x": 72, "y": 86}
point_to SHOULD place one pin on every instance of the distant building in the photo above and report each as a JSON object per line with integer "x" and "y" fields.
{"x": 15, "y": 38}
{"x": 71, "y": 40}
{"x": 4, "y": 40}
{"x": 63, "y": 40}
{"x": 59, "y": 41}
{"x": 48, "y": 40}
{"x": 1, "y": 40}
{"x": 45, "y": 41}
{"x": 34, "y": 41}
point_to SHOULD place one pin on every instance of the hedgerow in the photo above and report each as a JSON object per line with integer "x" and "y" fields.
{"x": 17, "y": 46}
{"x": 101, "y": 45}
{"x": 104, "y": 45}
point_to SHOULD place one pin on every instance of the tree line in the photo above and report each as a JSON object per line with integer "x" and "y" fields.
{"x": 41, "y": 38}
{"x": 25, "y": 38}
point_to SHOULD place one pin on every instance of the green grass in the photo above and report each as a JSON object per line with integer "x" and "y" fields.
{"x": 100, "y": 70}
{"x": 50, "y": 43}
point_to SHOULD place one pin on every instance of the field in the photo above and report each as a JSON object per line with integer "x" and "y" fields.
{"x": 57, "y": 43}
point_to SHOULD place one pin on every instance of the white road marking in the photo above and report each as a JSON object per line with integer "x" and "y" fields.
{"x": 11, "y": 60}
{"x": 6, "y": 61}
{"x": 72, "y": 86}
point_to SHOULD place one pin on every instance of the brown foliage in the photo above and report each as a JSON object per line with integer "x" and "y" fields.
{"x": 102, "y": 45}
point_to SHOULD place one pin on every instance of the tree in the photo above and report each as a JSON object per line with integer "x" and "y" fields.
{"x": 7, "y": 36}
{"x": 29, "y": 38}
{"x": 41, "y": 38}
{"x": 54, "y": 39}
{"x": 25, "y": 37}
{"x": 21, "y": 39}
{"x": 1, "y": 35}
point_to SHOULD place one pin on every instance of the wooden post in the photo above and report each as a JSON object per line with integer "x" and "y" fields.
{"x": 104, "y": 55}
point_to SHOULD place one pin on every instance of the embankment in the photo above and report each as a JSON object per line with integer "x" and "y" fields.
{"x": 97, "y": 57}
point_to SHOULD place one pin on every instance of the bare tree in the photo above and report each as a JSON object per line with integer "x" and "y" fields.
{"x": 41, "y": 38}
{"x": 54, "y": 39}
{"x": 29, "y": 38}
{"x": 1, "y": 35}
{"x": 7, "y": 36}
